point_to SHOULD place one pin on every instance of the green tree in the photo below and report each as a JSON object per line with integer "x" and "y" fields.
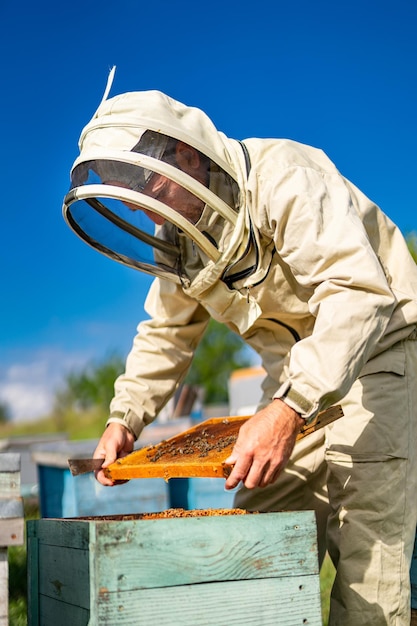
{"x": 219, "y": 353}
{"x": 92, "y": 386}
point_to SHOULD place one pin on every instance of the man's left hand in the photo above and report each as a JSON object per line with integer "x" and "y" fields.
{"x": 264, "y": 445}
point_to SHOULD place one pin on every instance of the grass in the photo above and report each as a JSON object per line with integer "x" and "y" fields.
{"x": 86, "y": 425}
{"x": 327, "y": 574}
{"x": 17, "y": 558}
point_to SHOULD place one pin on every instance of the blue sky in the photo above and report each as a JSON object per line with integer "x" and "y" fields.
{"x": 341, "y": 76}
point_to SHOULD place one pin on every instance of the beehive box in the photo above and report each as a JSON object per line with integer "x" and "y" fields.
{"x": 215, "y": 570}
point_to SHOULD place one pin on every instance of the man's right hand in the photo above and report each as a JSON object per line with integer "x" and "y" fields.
{"x": 116, "y": 442}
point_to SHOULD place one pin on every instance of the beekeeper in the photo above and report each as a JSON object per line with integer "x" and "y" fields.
{"x": 267, "y": 237}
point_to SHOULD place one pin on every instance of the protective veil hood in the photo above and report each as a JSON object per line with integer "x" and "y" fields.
{"x": 134, "y": 157}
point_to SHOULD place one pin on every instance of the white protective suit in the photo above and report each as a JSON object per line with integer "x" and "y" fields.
{"x": 321, "y": 284}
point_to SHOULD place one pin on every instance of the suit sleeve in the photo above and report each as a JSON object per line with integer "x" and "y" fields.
{"x": 319, "y": 233}
{"x": 160, "y": 357}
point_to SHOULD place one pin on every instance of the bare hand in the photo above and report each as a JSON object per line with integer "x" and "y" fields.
{"x": 263, "y": 446}
{"x": 116, "y": 442}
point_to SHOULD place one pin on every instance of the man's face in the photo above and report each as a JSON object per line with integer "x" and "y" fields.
{"x": 170, "y": 193}
{"x": 173, "y": 195}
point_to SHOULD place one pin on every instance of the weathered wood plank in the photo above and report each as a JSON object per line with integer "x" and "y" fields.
{"x": 33, "y": 579}
{"x": 72, "y": 534}
{"x": 53, "y": 612}
{"x": 267, "y": 602}
{"x": 167, "y": 552}
{"x": 9, "y": 462}
{"x": 12, "y": 531}
{"x": 64, "y": 574}
{"x": 9, "y": 483}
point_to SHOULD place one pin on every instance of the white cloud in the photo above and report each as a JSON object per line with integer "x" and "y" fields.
{"x": 28, "y": 386}
{"x": 26, "y": 401}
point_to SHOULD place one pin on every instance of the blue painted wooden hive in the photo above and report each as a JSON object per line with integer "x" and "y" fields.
{"x": 205, "y": 570}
